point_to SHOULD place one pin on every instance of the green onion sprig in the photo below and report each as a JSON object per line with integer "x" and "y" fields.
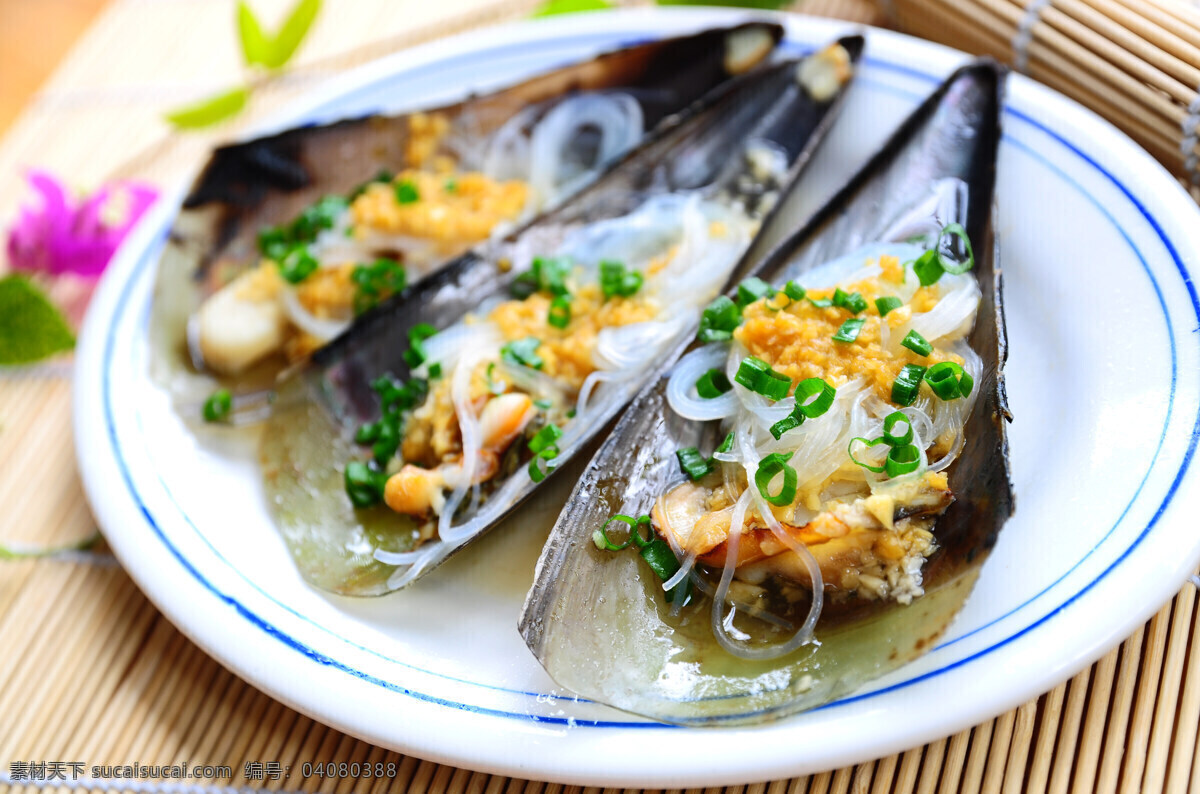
{"x": 758, "y": 376}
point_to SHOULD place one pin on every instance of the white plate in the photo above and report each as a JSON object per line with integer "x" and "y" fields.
{"x": 1100, "y": 246}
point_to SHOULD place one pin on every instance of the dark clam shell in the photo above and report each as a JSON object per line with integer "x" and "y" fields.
{"x": 594, "y": 620}
{"x": 307, "y": 438}
{"x": 268, "y": 181}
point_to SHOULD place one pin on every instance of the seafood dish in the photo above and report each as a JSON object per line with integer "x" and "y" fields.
{"x": 436, "y": 415}
{"x": 803, "y": 503}
{"x": 285, "y": 240}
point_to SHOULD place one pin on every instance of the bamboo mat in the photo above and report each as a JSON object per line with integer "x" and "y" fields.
{"x": 91, "y": 672}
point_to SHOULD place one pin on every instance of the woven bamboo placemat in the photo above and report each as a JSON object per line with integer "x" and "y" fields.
{"x": 91, "y": 673}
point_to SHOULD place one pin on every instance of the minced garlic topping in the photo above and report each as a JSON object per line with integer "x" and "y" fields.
{"x": 567, "y": 352}
{"x": 798, "y": 339}
{"x": 461, "y": 208}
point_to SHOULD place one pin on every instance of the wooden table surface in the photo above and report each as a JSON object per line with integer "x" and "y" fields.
{"x": 91, "y": 672}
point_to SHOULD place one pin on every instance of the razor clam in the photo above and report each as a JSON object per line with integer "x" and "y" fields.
{"x": 599, "y": 622}
{"x": 586, "y": 114}
{"x": 731, "y": 158}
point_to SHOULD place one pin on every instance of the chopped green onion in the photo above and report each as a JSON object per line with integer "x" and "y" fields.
{"x": 849, "y": 330}
{"x": 543, "y": 405}
{"x": 495, "y": 387}
{"x": 769, "y": 468}
{"x": 950, "y": 266}
{"x": 719, "y": 320}
{"x": 523, "y": 352}
{"x": 218, "y": 405}
{"x": 661, "y": 559}
{"x": 917, "y": 344}
{"x": 902, "y": 460}
{"x": 822, "y": 395}
{"x": 435, "y": 370}
{"x": 274, "y": 242}
{"x": 694, "y": 464}
{"x": 616, "y": 279}
{"x": 364, "y": 485}
{"x": 388, "y": 440}
{"x": 571, "y": 414}
{"x": 868, "y": 443}
{"x": 813, "y": 398}
{"x": 758, "y": 376}
{"x": 545, "y": 438}
{"x": 727, "y": 444}
{"x": 450, "y": 185}
{"x": 536, "y": 472}
{"x": 406, "y": 192}
{"x": 367, "y": 433}
{"x": 853, "y": 302}
{"x": 821, "y": 303}
{"x": 395, "y": 395}
{"x": 949, "y": 381}
{"x": 889, "y": 429}
{"x": 927, "y": 268}
{"x": 376, "y": 281}
{"x": 751, "y": 290}
{"x": 712, "y": 384}
{"x": 907, "y": 383}
{"x": 298, "y": 265}
{"x": 887, "y": 304}
{"x": 789, "y": 422}
{"x": 560, "y": 312}
{"x": 545, "y": 274}
{"x": 604, "y": 543}
{"x": 794, "y": 291}
{"x": 415, "y": 354}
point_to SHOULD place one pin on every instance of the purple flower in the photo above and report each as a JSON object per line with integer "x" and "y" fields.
{"x": 61, "y": 236}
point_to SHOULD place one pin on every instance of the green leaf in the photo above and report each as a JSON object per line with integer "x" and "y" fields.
{"x": 31, "y": 327}
{"x": 255, "y": 46}
{"x": 767, "y": 4}
{"x": 285, "y": 43}
{"x": 209, "y": 111}
{"x": 9, "y": 553}
{"x": 553, "y": 7}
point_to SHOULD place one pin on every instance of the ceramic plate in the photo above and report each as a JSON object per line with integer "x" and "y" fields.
{"x": 1100, "y": 245}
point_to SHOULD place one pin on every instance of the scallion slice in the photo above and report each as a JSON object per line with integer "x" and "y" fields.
{"x": 406, "y": 192}
{"x": 536, "y": 472}
{"x": 758, "y": 376}
{"x": 719, "y": 320}
{"x": 902, "y": 460}
{"x": 789, "y": 422}
{"x": 727, "y": 444}
{"x": 297, "y": 265}
{"x": 868, "y": 443}
{"x": 545, "y": 438}
{"x": 415, "y": 354}
{"x": 814, "y": 397}
{"x": 949, "y": 265}
{"x": 889, "y": 429}
{"x": 821, "y": 303}
{"x": 712, "y": 384}
{"x": 794, "y": 291}
{"x": 523, "y": 352}
{"x": 560, "y": 312}
{"x": 852, "y": 302}
{"x": 927, "y": 268}
{"x": 768, "y": 469}
{"x": 887, "y": 303}
{"x": 604, "y": 543}
{"x": 218, "y": 406}
{"x": 949, "y": 380}
{"x": 364, "y": 485}
{"x": 751, "y": 290}
{"x": 694, "y": 464}
{"x": 917, "y": 344}
{"x": 907, "y": 384}
{"x": 617, "y": 280}
{"x": 850, "y": 330}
